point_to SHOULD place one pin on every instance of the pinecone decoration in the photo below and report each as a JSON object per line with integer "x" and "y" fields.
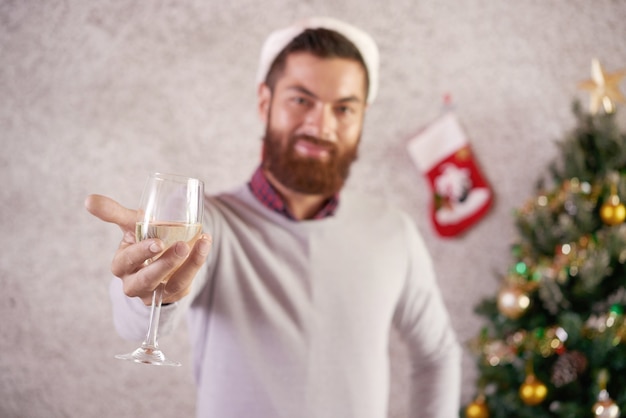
{"x": 568, "y": 367}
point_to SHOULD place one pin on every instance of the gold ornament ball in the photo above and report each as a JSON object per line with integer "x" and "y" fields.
{"x": 512, "y": 302}
{"x": 613, "y": 212}
{"x": 533, "y": 391}
{"x": 477, "y": 409}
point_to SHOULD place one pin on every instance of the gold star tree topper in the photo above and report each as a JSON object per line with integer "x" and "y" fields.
{"x": 604, "y": 88}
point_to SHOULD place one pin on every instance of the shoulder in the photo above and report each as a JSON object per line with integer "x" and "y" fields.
{"x": 357, "y": 204}
{"x": 239, "y": 206}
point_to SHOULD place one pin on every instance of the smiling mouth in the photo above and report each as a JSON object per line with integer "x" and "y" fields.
{"x": 312, "y": 149}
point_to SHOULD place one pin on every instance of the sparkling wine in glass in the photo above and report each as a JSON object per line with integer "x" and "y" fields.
{"x": 170, "y": 209}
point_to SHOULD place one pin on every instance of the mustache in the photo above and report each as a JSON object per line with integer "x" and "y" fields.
{"x": 332, "y": 146}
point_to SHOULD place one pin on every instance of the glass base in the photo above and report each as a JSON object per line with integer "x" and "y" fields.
{"x": 148, "y": 355}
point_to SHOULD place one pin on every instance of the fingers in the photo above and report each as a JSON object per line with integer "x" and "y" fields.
{"x": 143, "y": 282}
{"x": 178, "y": 266}
{"x": 131, "y": 256}
{"x": 109, "y": 210}
{"x": 180, "y": 282}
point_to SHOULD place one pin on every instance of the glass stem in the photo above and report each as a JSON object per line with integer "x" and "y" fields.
{"x": 155, "y": 313}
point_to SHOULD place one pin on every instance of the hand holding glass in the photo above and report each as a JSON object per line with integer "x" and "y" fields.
{"x": 170, "y": 209}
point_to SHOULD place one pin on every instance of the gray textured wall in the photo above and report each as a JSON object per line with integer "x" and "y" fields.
{"x": 95, "y": 94}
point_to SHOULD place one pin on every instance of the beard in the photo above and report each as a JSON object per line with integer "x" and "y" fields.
{"x": 303, "y": 174}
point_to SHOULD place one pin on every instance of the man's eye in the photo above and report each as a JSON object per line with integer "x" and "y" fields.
{"x": 300, "y": 100}
{"x": 345, "y": 110}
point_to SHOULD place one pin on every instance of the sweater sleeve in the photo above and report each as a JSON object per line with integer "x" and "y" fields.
{"x": 424, "y": 323}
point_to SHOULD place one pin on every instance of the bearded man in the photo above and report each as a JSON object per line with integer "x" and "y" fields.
{"x": 294, "y": 288}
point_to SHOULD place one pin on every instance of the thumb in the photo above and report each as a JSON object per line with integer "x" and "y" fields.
{"x": 110, "y": 211}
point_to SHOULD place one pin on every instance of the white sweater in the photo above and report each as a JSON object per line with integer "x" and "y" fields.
{"x": 292, "y": 319}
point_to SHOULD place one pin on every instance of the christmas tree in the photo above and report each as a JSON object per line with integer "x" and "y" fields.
{"x": 554, "y": 343}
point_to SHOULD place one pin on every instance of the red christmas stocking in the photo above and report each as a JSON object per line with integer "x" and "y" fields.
{"x": 461, "y": 196}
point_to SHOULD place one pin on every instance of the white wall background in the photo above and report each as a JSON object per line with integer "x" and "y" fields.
{"x": 95, "y": 94}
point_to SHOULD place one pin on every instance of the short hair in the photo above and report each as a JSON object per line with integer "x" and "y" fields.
{"x": 323, "y": 43}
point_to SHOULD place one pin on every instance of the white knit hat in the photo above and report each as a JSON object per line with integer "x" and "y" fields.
{"x": 279, "y": 39}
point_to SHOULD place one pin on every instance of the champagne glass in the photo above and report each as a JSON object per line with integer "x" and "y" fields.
{"x": 170, "y": 209}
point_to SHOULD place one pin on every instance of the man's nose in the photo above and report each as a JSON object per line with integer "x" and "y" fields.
{"x": 322, "y": 123}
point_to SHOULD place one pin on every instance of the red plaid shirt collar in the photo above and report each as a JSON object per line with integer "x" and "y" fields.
{"x": 269, "y": 197}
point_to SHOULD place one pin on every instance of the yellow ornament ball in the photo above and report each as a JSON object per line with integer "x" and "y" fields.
{"x": 533, "y": 391}
{"x": 613, "y": 212}
{"x": 512, "y": 302}
{"x": 477, "y": 409}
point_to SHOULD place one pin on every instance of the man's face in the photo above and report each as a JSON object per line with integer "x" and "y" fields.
{"x": 314, "y": 120}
